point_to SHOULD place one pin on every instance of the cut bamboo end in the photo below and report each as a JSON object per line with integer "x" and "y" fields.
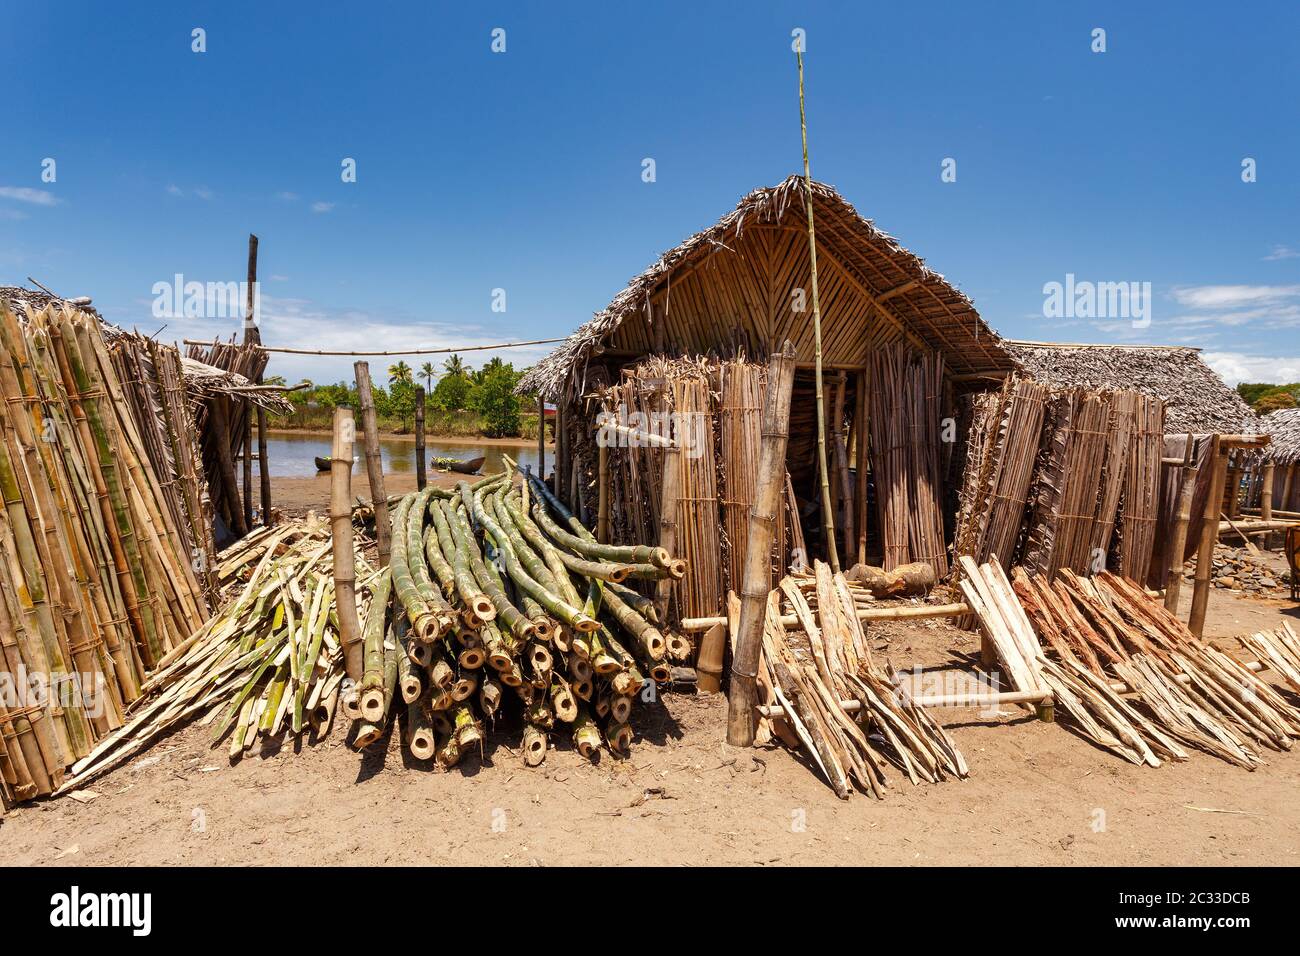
{"x": 586, "y": 625}
{"x": 619, "y": 738}
{"x": 605, "y": 664}
{"x": 620, "y": 708}
{"x": 543, "y": 629}
{"x": 372, "y": 704}
{"x": 583, "y": 688}
{"x": 541, "y": 658}
{"x": 500, "y": 661}
{"x": 660, "y": 558}
{"x": 471, "y": 658}
{"x": 367, "y": 736}
{"x": 463, "y": 688}
{"x": 661, "y": 673}
{"x": 411, "y": 688}
{"x": 351, "y": 704}
{"x": 422, "y": 743}
{"x": 534, "y": 745}
{"x": 677, "y": 569}
{"x": 419, "y": 653}
{"x": 442, "y": 675}
{"x": 483, "y": 609}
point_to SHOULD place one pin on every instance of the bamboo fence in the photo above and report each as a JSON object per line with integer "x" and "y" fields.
{"x": 97, "y": 583}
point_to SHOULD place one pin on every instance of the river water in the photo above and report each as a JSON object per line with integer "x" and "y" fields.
{"x": 292, "y": 456}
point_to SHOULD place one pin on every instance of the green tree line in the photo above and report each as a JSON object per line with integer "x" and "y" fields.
{"x": 463, "y": 400}
{"x": 1265, "y": 398}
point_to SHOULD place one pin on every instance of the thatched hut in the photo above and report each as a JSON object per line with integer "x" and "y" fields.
{"x": 1283, "y": 453}
{"x": 1196, "y": 399}
{"x": 740, "y": 289}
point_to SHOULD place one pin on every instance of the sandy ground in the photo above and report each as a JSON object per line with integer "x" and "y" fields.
{"x": 1036, "y": 794}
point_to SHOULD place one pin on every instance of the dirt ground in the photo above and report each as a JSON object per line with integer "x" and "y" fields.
{"x": 1036, "y": 794}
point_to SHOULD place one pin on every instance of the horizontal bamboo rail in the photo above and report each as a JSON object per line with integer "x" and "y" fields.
{"x": 863, "y": 614}
{"x": 457, "y": 348}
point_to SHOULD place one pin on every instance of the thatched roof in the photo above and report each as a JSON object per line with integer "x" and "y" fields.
{"x": 918, "y": 298}
{"x": 1196, "y": 399}
{"x": 201, "y": 379}
{"x": 1283, "y": 426}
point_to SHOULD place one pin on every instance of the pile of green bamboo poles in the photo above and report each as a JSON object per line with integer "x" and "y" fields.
{"x": 502, "y": 605}
{"x": 269, "y": 664}
{"x": 97, "y": 585}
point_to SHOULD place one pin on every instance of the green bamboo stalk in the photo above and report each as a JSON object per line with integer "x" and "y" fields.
{"x": 424, "y": 623}
{"x": 488, "y": 583}
{"x": 371, "y": 690}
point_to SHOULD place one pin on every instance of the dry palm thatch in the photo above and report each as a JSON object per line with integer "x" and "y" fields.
{"x": 1196, "y": 399}
{"x": 1283, "y": 426}
{"x": 893, "y": 285}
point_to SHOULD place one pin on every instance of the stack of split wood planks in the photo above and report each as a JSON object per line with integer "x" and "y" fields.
{"x": 1128, "y": 675}
{"x": 838, "y": 704}
{"x": 1063, "y": 478}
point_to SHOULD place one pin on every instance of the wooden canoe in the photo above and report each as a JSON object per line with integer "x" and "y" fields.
{"x": 469, "y": 467}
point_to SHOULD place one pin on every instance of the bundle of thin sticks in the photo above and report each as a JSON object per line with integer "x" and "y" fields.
{"x": 905, "y": 422}
{"x": 155, "y": 390}
{"x": 1005, "y": 433}
{"x": 1141, "y": 507}
{"x": 96, "y": 581}
{"x": 811, "y": 670}
{"x": 1128, "y": 673}
{"x": 268, "y": 664}
{"x": 497, "y": 588}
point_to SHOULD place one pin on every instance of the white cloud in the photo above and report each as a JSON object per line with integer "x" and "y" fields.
{"x": 37, "y": 197}
{"x": 319, "y": 206}
{"x": 279, "y": 278}
{"x": 203, "y": 192}
{"x": 1233, "y": 296}
{"x": 286, "y": 196}
{"x": 1236, "y": 367}
{"x": 174, "y": 190}
{"x": 1282, "y": 252}
{"x": 303, "y": 323}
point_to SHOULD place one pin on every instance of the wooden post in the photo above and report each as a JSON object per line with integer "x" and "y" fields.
{"x": 1266, "y": 493}
{"x": 541, "y": 437}
{"x": 345, "y": 594}
{"x": 251, "y": 337}
{"x": 602, "y": 492}
{"x": 1233, "y": 489}
{"x": 1178, "y": 537}
{"x": 421, "y": 477}
{"x": 221, "y": 425}
{"x": 1286, "y": 486}
{"x": 561, "y": 474}
{"x": 1209, "y": 535}
{"x": 860, "y": 453}
{"x": 757, "y": 578}
{"x": 845, "y": 496}
{"x": 668, "y": 493}
{"x": 374, "y": 462}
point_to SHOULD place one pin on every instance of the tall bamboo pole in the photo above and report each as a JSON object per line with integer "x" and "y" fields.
{"x": 421, "y": 477}
{"x": 757, "y": 580}
{"x": 860, "y": 454}
{"x": 345, "y": 588}
{"x": 828, "y": 516}
{"x": 1209, "y": 536}
{"x": 374, "y": 462}
{"x": 602, "y": 491}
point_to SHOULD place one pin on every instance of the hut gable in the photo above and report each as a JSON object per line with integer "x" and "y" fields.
{"x": 737, "y": 284}
{"x": 1196, "y": 399}
{"x": 1283, "y": 426}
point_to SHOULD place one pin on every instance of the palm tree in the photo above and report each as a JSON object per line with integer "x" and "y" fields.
{"x": 400, "y": 372}
{"x": 454, "y": 365}
{"x": 427, "y": 373}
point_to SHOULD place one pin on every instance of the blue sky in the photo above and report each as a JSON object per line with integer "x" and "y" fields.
{"x": 522, "y": 170}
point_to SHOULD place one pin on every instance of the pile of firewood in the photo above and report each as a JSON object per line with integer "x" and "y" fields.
{"x": 1127, "y": 673}
{"x": 835, "y": 701}
{"x": 497, "y": 594}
